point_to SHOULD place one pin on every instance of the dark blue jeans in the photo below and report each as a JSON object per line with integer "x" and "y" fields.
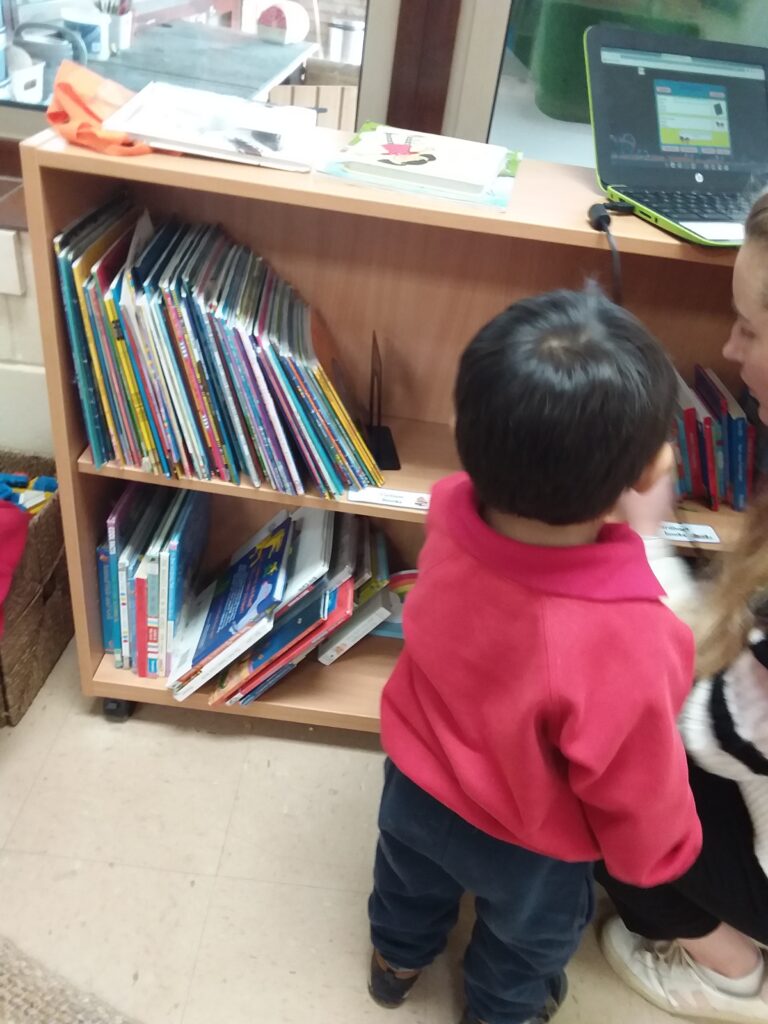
{"x": 531, "y": 910}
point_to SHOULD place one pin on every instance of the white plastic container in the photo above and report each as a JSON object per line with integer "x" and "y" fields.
{"x": 5, "y": 90}
{"x": 120, "y": 31}
{"x": 345, "y": 40}
{"x": 26, "y": 75}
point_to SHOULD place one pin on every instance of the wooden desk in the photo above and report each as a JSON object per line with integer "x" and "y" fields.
{"x": 205, "y": 57}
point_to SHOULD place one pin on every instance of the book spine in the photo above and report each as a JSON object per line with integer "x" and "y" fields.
{"x": 111, "y": 380}
{"x": 738, "y": 462}
{"x": 686, "y": 485}
{"x": 247, "y": 397}
{"x": 238, "y": 644}
{"x": 322, "y": 427}
{"x": 140, "y": 616}
{"x": 271, "y": 430}
{"x": 281, "y": 391}
{"x": 106, "y": 598}
{"x": 163, "y": 612}
{"x": 229, "y": 399}
{"x": 83, "y": 372}
{"x": 98, "y": 376}
{"x": 351, "y": 634}
{"x": 153, "y": 616}
{"x": 178, "y": 404}
{"x": 200, "y": 407}
{"x": 693, "y": 446}
{"x": 125, "y": 632}
{"x": 175, "y": 598}
{"x": 152, "y": 407}
{"x": 147, "y": 442}
{"x": 751, "y": 459}
{"x": 160, "y": 385}
{"x": 217, "y": 416}
{"x": 710, "y": 464}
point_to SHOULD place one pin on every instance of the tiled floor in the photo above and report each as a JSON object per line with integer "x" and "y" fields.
{"x": 194, "y": 869}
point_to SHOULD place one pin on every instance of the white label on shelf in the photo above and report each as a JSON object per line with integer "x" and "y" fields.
{"x": 695, "y": 533}
{"x": 394, "y": 499}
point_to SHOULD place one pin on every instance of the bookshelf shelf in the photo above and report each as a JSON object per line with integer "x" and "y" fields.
{"x": 426, "y": 452}
{"x": 343, "y": 696}
{"x": 424, "y": 274}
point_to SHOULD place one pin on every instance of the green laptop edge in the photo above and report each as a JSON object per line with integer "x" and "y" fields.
{"x": 649, "y": 215}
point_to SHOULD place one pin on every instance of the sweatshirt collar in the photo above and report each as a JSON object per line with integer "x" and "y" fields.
{"x": 614, "y": 568}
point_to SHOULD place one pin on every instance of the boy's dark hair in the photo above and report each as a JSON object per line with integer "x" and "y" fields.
{"x": 562, "y": 401}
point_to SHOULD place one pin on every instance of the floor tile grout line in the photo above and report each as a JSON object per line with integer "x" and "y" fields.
{"x": 194, "y": 959}
{"x": 111, "y": 862}
{"x": 235, "y": 797}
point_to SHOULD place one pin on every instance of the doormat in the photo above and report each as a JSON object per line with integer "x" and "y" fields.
{"x": 31, "y": 994}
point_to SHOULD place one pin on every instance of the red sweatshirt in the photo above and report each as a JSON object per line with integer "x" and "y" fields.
{"x": 14, "y": 524}
{"x": 537, "y": 694}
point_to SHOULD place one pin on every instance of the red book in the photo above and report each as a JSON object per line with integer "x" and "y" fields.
{"x": 687, "y": 403}
{"x": 142, "y": 615}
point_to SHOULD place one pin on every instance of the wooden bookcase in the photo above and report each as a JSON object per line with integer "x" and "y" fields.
{"x": 424, "y": 274}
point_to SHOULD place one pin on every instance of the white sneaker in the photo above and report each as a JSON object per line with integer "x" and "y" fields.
{"x": 664, "y": 974}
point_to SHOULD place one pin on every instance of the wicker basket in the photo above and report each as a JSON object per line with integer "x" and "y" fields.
{"x": 38, "y": 611}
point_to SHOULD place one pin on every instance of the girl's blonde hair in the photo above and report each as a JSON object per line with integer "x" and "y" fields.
{"x": 742, "y": 585}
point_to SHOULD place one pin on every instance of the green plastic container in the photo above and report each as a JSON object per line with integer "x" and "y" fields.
{"x": 558, "y": 56}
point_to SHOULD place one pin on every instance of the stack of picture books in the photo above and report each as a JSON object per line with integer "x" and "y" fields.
{"x": 311, "y": 581}
{"x": 715, "y": 443}
{"x": 194, "y": 359}
{"x": 433, "y": 165}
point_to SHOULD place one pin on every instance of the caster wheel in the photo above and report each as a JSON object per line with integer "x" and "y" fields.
{"x": 118, "y": 710}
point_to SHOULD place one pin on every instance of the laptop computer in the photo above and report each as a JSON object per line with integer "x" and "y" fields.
{"x": 680, "y": 127}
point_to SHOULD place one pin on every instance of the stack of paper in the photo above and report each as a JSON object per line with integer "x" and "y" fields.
{"x": 210, "y": 124}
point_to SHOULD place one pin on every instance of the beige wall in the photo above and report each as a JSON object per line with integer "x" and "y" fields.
{"x": 24, "y": 421}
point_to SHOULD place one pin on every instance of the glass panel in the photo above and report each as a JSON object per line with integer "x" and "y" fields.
{"x": 541, "y": 103}
{"x": 238, "y": 47}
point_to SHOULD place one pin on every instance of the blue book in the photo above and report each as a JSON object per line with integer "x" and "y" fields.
{"x": 710, "y": 394}
{"x": 684, "y": 481}
{"x": 95, "y": 425}
{"x": 737, "y": 432}
{"x": 107, "y": 599}
{"x": 235, "y": 611}
{"x": 179, "y": 561}
{"x": 66, "y": 245}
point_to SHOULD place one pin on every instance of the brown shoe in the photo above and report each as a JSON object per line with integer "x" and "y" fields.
{"x": 389, "y": 986}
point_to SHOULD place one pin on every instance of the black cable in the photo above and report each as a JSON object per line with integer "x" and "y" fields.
{"x": 600, "y": 219}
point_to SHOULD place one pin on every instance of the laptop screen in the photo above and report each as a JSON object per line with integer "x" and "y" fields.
{"x": 671, "y": 116}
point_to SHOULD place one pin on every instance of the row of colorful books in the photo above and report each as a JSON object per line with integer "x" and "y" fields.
{"x": 310, "y": 580}
{"x": 716, "y": 443}
{"x": 194, "y": 359}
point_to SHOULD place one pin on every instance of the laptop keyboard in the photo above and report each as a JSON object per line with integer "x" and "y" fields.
{"x": 702, "y": 206}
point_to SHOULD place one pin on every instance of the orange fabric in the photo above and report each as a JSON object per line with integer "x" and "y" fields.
{"x": 82, "y": 101}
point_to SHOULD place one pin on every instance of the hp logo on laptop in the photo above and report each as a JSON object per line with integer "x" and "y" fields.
{"x": 699, "y": 177}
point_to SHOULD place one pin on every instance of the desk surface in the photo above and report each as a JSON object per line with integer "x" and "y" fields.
{"x": 205, "y": 57}
{"x": 549, "y": 202}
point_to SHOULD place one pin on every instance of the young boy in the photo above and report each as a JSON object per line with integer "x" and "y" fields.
{"x": 530, "y": 721}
